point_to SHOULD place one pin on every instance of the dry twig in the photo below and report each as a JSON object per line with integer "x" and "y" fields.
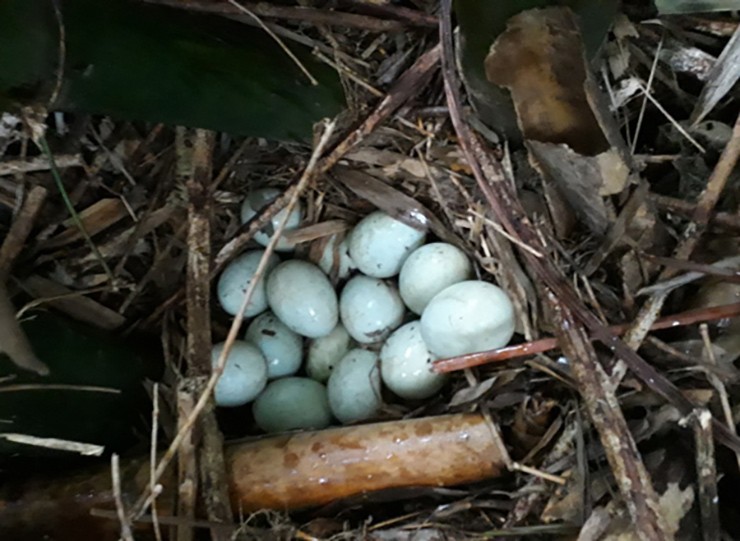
{"x": 209, "y": 453}
{"x": 706, "y": 471}
{"x": 689, "y": 317}
{"x": 123, "y": 520}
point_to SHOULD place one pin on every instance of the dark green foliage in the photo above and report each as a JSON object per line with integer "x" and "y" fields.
{"x": 76, "y": 355}
{"x": 136, "y": 61}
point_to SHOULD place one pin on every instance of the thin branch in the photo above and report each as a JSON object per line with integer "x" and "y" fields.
{"x": 154, "y": 487}
{"x": 706, "y": 473}
{"x": 643, "y": 105}
{"x": 725, "y": 220}
{"x": 44, "y": 146}
{"x": 543, "y": 345}
{"x": 717, "y": 382}
{"x": 123, "y": 520}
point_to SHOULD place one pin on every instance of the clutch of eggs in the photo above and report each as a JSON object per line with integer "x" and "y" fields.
{"x": 377, "y": 330}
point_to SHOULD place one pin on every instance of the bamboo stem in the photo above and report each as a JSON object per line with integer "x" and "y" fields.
{"x": 285, "y": 472}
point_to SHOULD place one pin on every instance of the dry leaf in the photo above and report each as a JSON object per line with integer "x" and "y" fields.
{"x": 568, "y": 128}
{"x": 394, "y": 202}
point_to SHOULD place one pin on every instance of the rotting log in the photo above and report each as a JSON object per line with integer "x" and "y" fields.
{"x": 284, "y": 472}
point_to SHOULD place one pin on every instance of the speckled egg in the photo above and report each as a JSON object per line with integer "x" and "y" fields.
{"x": 379, "y": 244}
{"x": 406, "y": 364}
{"x": 354, "y": 387}
{"x": 370, "y": 309}
{"x": 292, "y": 403}
{"x": 281, "y": 347}
{"x": 430, "y": 269}
{"x": 244, "y": 375}
{"x": 325, "y": 352}
{"x": 468, "y": 317}
{"x": 302, "y": 297}
{"x": 235, "y": 279}
{"x": 258, "y": 200}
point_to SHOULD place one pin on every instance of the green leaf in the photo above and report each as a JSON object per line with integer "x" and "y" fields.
{"x": 135, "y": 61}
{"x": 79, "y": 356}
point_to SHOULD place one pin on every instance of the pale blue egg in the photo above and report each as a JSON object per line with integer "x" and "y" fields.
{"x": 406, "y": 364}
{"x": 281, "y": 347}
{"x": 354, "y": 387}
{"x": 292, "y": 403}
{"x": 235, "y": 279}
{"x": 325, "y": 352}
{"x": 370, "y": 308}
{"x": 379, "y": 244}
{"x": 429, "y": 270}
{"x": 335, "y": 260}
{"x": 258, "y": 200}
{"x": 244, "y": 375}
{"x": 468, "y": 317}
{"x": 303, "y": 298}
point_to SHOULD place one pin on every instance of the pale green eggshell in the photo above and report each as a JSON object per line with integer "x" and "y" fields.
{"x": 370, "y": 308}
{"x": 292, "y": 403}
{"x": 379, "y": 244}
{"x": 335, "y": 260}
{"x": 468, "y": 317}
{"x": 325, "y": 352}
{"x": 429, "y": 270}
{"x": 235, "y": 279}
{"x": 406, "y": 364}
{"x": 244, "y": 375}
{"x": 281, "y": 347}
{"x": 354, "y": 387}
{"x": 303, "y": 298}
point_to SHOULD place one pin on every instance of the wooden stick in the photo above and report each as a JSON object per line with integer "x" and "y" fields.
{"x": 284, "y": 472}
{"x": 706, "y": 473}
{"x": 314, "y": 468}
{"x": 208, "y": 437}
{"x": 686, "y": 209}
